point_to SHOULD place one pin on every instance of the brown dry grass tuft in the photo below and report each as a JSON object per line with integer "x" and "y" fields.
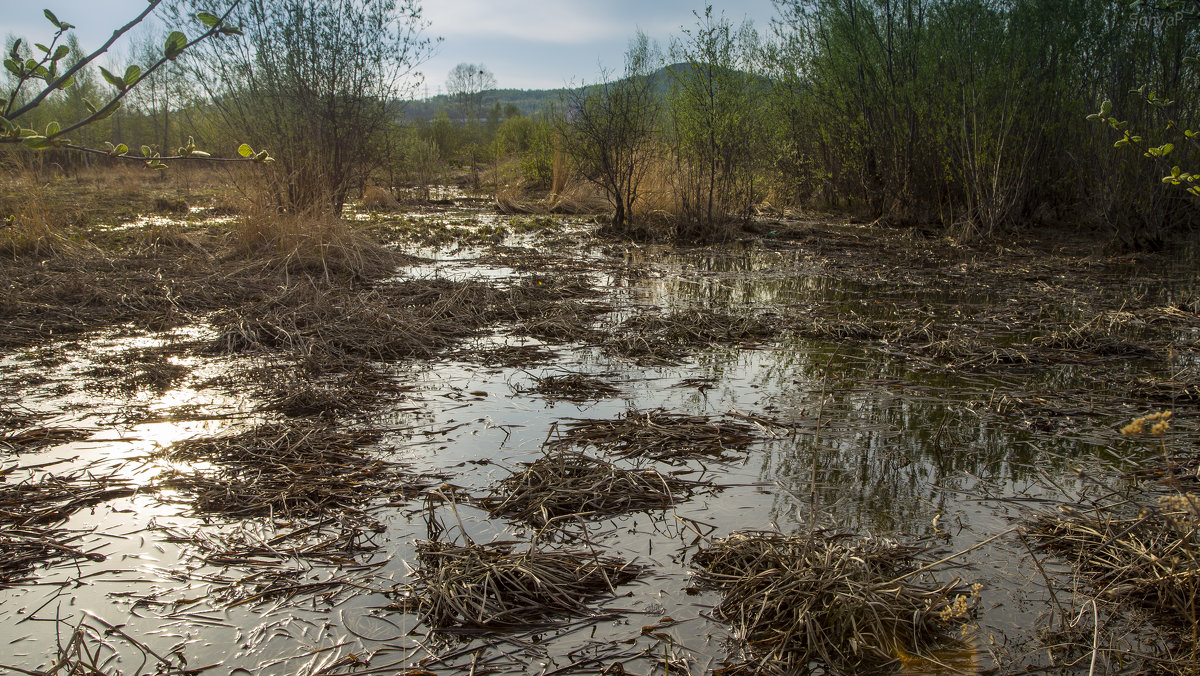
{"x": 666, "y": 339}
{"x": 295, "y": 470}
{"x": 566, "y": 486}
{"x": 659, "y": 435}
{"x": 376, "y": 198}
{"x": 34, "y": 221}
{"x": 854, "y": 606}
{"x": 495, "y": 586}
{"x": 1151, "y": 558}
{"x": 315, "y": 244}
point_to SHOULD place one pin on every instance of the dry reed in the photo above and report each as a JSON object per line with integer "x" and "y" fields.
{"x": 497, "y": 587}
{"x": 667, "y": 339}
{"x": 659, "y": 435}
{"x": 565, "y": 486}
{"x": 299, "y": 469}
{"x": 851, "y": 605}
{"x": 577, "y": 387}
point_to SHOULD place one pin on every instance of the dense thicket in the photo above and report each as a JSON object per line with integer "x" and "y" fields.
{"x": 971, "y": 113}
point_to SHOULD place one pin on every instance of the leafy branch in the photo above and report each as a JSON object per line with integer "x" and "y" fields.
{"x": 46, "y": 71}
{"x": 1177, "y": 176}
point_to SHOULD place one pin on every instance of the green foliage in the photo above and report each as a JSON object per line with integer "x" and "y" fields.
{"x": 717, "y": 110}
{"x": 1188, "y": 181}
{"x": 316, "y": 80}
{"x": 36, "y": 82}
{"x": 532, "y": 140}
{"x": 965, "y": 112}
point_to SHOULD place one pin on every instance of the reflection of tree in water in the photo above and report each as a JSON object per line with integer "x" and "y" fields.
{"x": 890, "y": 440}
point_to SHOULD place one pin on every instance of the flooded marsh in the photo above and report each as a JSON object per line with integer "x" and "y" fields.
{"x": 505, "y": 446}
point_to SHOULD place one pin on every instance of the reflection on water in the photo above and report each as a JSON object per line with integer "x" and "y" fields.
{"x": 866, "y": 442}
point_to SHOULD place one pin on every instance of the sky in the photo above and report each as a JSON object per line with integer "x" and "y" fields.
{"x": 525, "y": 44}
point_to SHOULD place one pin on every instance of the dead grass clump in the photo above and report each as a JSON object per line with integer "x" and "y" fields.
{"x": 376, "y": 198}
{"x": 576, "y": 387}
{"x": 53, "y": 498}
{"x": 416, "y": 318}
{"x": 564, "y": 486}
{"x": 495, "y": 587}
{"x": 27, "y": 509}
{"x": 317, "y": 245}
{"x": 666, "y": 339}
{"x": 170, "y": 206}
{"x": 24, "y": 548}
{"x": 1151, "y": 558}
{"x": 577, "y": 197}
{"x": 32, "y": 438}
{"x": 152, "y": 289}
{"x": 1095, "y": 337}
{"x": 342, "y": 389}
{"x": 334, "y": 541}
{"x": 659, "y": 435}
{"x": 509, "y": 356}
{"x": 152, "y": 377}
{"x": 852, "y": 605}
{"x": 34, "y": 223}
{"x": 299, "y": 469}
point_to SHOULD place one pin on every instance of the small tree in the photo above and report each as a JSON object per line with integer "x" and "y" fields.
{"x": 608, "y": 131}
{"x": 316, "y": 79}
{"x": 37, "y": 79}
{"x": 466, "y": 85}
{"x": 717, "y": 108}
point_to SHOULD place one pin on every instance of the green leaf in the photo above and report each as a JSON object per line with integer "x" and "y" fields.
{"x": 61, "y": 52}
{"x": 30, "y": 64}
{"x": 245, "y": 150}
{"x": 113, "y": 79}
{"x": 13, "y": 67}
{"x": 146, "y": 151}
{"x": 52, "y": 128}
{"x": 199, "y": 153}
{"x": 1106, "y": 107}
{"x": 53, "y": 19}
{"x": 231, "y": 30}
{"x": 15, "y": 52}
{"x": 1094, "y": 116}
{"x": 67, "y": 83}
{"x": 208, "y": 19}
{"x": 107, "y": 111}
{"x": 36, "y": 141}
{"x": 176, "y": 41}
{"x": 132, "y": 75}
{"x": 121, "y": 149}
{"x": 42, "y": 47}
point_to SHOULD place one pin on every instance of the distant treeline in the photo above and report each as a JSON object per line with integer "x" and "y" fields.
{"x": 967, "y": 116}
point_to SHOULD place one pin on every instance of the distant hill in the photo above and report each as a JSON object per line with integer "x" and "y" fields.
{"x": 528, "y": 101}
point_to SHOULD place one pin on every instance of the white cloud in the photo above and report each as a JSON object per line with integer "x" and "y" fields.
{"x": 563, "y": 22}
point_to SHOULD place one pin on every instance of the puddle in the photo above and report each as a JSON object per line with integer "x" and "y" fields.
{"x": 855, "y": 438}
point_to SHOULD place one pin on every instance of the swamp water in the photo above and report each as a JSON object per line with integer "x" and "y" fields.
{"x": 867, "y": 435}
